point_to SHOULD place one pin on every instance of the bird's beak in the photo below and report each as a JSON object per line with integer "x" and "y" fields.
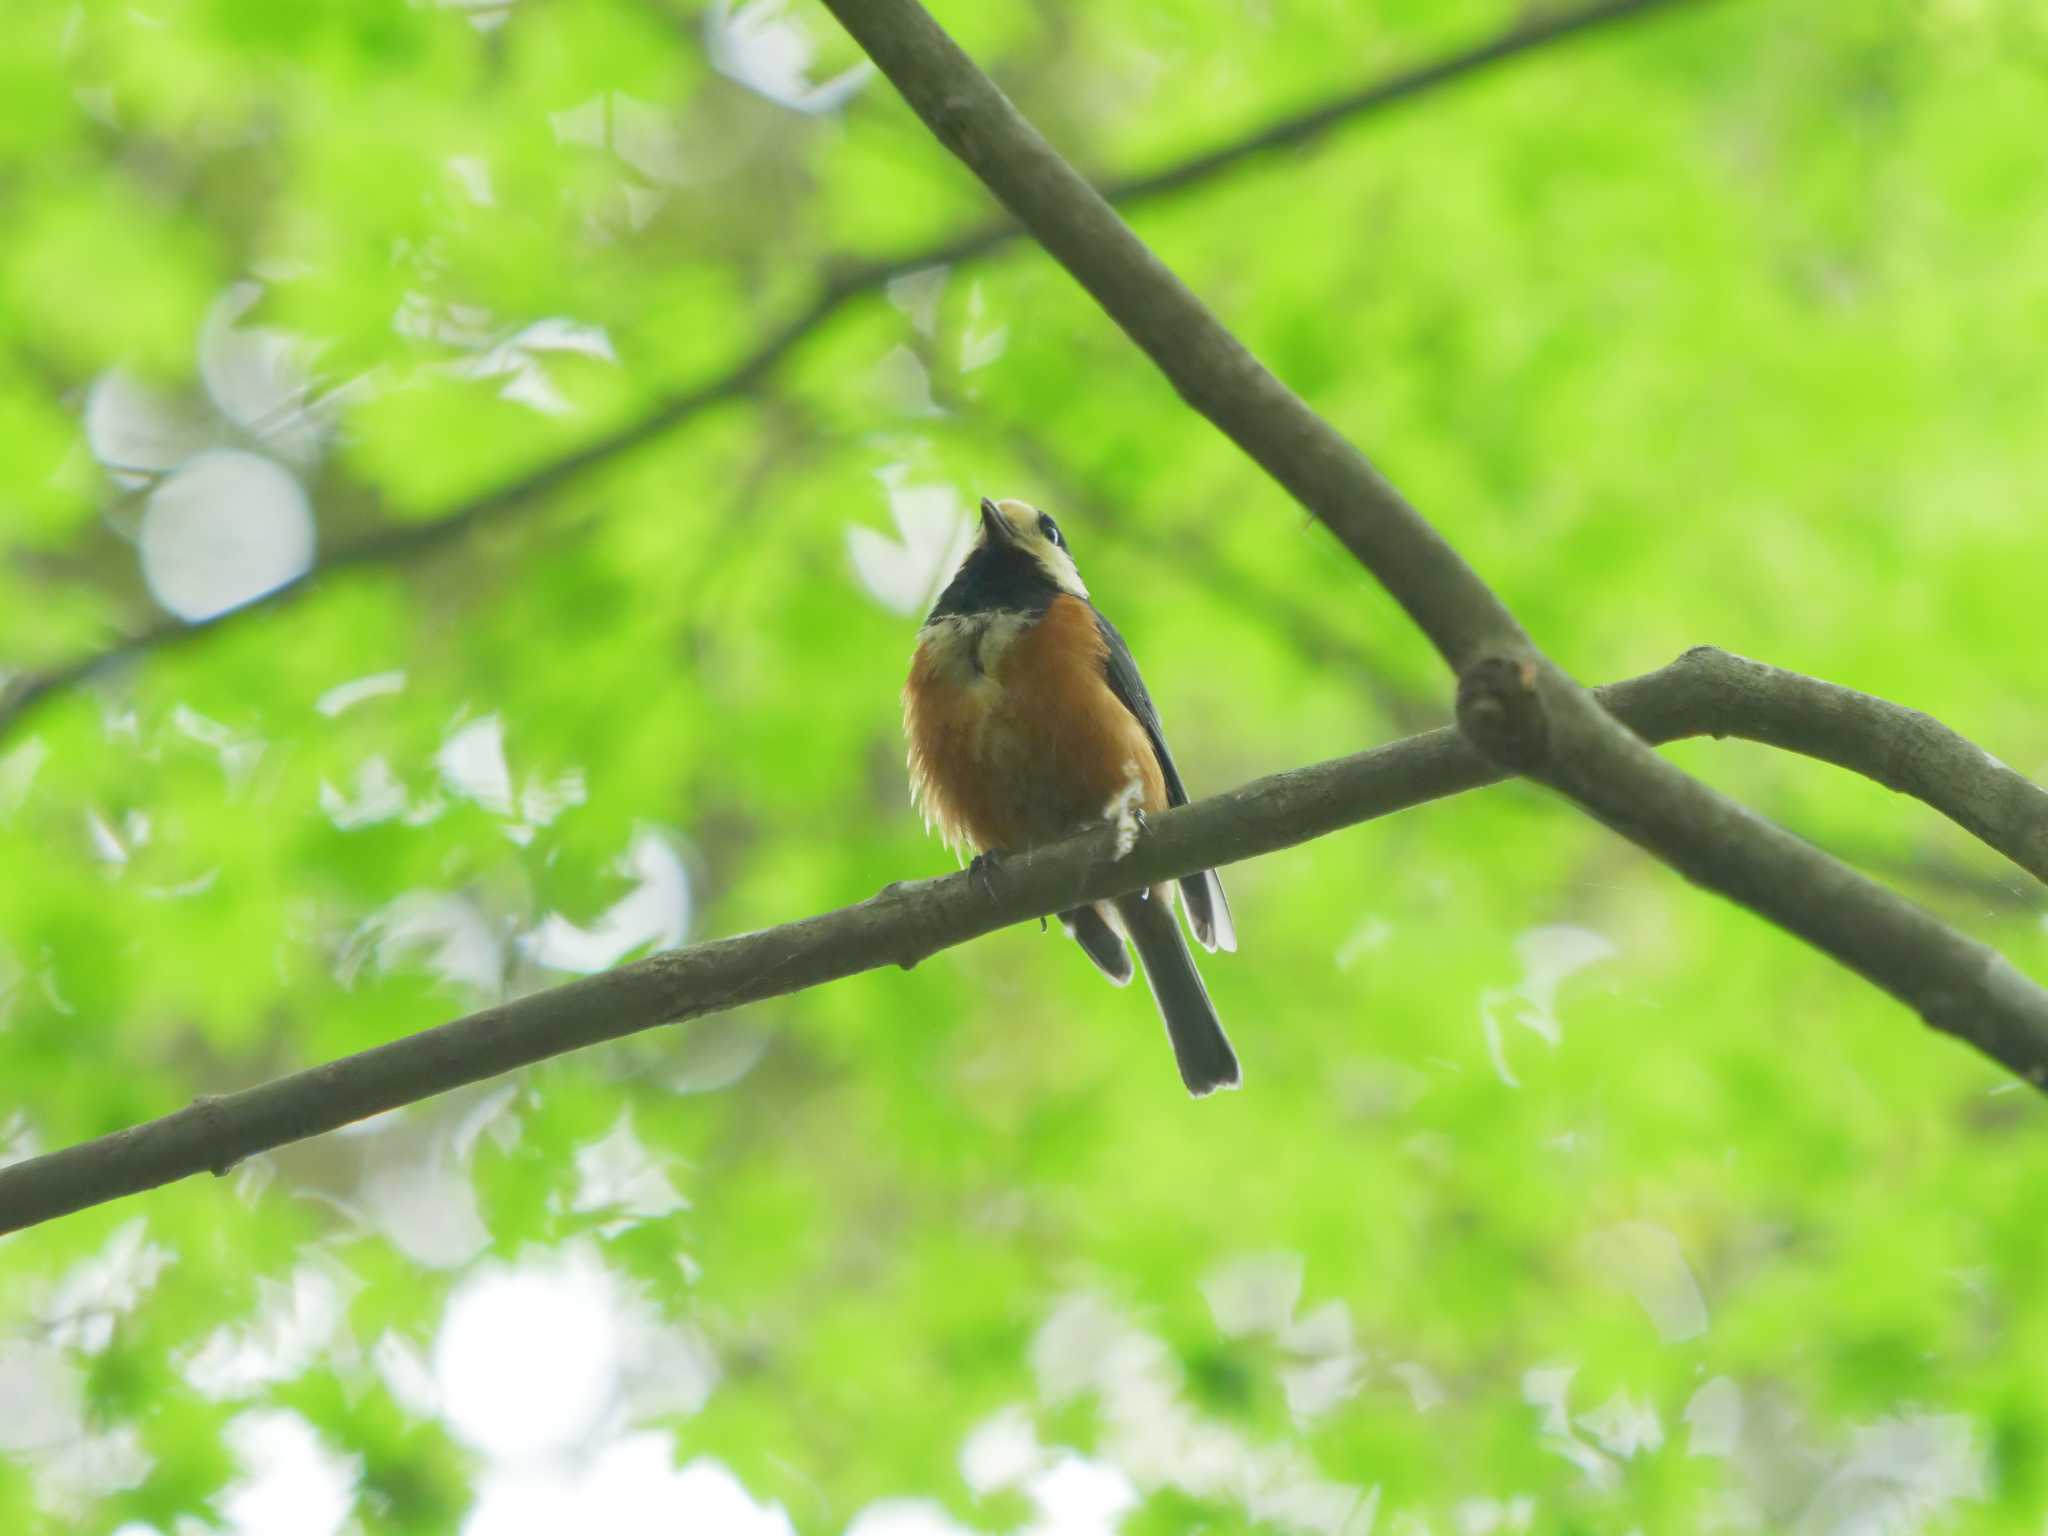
{"x": 994, "y": 526}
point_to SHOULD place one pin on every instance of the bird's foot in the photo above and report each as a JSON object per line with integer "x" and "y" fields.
{"x": 981, "y": 869}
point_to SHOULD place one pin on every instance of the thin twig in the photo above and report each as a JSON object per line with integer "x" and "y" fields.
{"x": 1305, "y": 127}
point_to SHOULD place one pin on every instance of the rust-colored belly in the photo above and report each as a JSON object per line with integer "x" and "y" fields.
{"x": 1023, "y": 744}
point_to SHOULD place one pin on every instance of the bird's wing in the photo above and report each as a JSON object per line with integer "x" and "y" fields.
{"x": 1202, "y": 895}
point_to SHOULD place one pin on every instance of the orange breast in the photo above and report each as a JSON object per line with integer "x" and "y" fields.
{"x": 1031, "y": 747}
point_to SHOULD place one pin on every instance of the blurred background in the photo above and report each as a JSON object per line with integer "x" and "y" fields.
{"x": 520, "y": 441}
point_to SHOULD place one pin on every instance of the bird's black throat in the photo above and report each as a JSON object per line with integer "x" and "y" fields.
{"x": 995, "y": 578}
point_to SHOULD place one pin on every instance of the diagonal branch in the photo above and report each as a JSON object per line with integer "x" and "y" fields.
{"x": 1213, "y": 371}
{"x": 1709, "y": 692}
{"x": 1703, "y": 692}
{"x": 1191, "y": 552}
{"x": 1519, "y": 708}
{"x": 850, "y": 281}
{"x": 1304, "y": 127}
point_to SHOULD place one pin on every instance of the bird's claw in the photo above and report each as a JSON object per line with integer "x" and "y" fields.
{"x": 982, "y": 867}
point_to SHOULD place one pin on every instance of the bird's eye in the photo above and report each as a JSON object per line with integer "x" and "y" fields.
{"x": 1051, "y": 530}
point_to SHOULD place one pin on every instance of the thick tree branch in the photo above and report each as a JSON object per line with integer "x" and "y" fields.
{"x": 1213, "y": 371}
{"x": 1190, "y": 550}
{"x": 1708, "y": 692}
{"x": 850, "y": 281}
{"x": 1514, "y": 704}
{"x": 1703, "y": 692}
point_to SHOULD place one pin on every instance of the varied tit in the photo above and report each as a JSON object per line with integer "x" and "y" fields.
{"x": 1028, "y": 721}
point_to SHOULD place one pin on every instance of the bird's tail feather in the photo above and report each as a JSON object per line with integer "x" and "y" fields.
{"x": 1199, "y": 1045}
{"x": 1100, "y": 942}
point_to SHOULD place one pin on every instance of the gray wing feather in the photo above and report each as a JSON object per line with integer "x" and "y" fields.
{"x": 1202, "y": 894}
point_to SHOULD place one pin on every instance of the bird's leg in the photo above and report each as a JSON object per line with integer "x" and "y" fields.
{"x": 982, "y": 867}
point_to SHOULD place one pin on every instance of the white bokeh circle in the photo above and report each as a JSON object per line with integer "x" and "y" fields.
{"x": 527, "y": 1359}
{"x": 227, "y": 527}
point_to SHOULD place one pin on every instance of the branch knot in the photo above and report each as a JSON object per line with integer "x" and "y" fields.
{"x": 1501, "y": 713}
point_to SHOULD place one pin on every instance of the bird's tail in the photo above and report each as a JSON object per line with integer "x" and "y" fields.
{"x": 1199, "y": 1046}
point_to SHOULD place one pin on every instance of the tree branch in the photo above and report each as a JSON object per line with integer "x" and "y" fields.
{"x": 1212, "y": 370}
{"x": 1190, "y": 551}
{"x": 1703, "y": 692}
{"x": 851, "y": 280}
{"x": 1515, "y": 705}
{"x": 1709, "y": 692}
{"x": 1304, "y": 127}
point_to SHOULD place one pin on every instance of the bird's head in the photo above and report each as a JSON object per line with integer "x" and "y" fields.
{"x": 1018, "y": 553}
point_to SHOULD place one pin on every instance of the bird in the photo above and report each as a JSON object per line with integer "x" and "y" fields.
{"x": 1028, "y": 721}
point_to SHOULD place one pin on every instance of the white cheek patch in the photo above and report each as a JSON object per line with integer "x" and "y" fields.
{"x": 1059, "y": 565}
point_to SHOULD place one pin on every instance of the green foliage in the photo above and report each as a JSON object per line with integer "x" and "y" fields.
{"x": 1560, "y": 1198}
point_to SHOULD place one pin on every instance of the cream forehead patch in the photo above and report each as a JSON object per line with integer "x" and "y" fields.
{"x": 1020, "y": 515}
